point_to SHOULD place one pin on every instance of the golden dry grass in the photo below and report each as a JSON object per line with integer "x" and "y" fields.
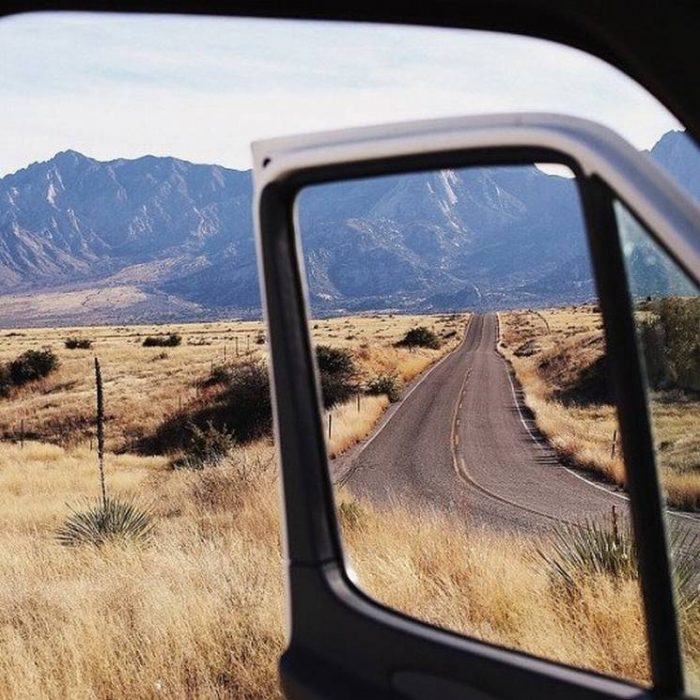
{"x": 196, "y": 614}
{"x": 145, "y": 385}
{"x": 564, "y": 341}
{"x": 199, "y": 612}
{"x": 348, "y": 425}
{"x": 494, "y": 587}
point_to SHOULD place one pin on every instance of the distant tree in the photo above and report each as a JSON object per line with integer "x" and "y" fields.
{"x": 338, "y": 374}
{"x": 670, "y": 340}
{"x": 420, "y": 337}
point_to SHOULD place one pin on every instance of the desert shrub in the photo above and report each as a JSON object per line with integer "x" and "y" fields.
{"x": 260, "y": 339}
{"x": 5, "y": 381}
{"x": 219, "y": 374}
{"x": 384, "y": 384}
{"x": 671, "y": 344}
{"x": 113, "y": 520}
{"x": 32, "y": 365}
{"x": 242, "y": 408}
{"x": 419, "y": 337}
{"x": 206, "y": 447}
{"x": 338, "y": 374}
{"x": 74, "y": 343}
{"x": 607, "y": 547}
{"x": 171, "y": 340}
{"x": 335, "y": 360}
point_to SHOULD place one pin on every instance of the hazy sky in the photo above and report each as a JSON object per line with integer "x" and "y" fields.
{"x": 202, "y": 88}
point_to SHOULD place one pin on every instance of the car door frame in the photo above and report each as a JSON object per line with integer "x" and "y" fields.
{"x": 360, "y": 645}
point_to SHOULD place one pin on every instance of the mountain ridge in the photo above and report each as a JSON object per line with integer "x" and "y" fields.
{"x": 180, "y": 234}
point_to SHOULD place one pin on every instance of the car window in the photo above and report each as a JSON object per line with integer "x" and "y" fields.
{"x": 469, "y": 418}
{"x": 667, "y": 315}
{"x": 139, "y": 515}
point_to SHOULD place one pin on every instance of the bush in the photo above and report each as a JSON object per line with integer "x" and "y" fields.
{"x": 111, "y": 521}
{"x": 207, "y": 447}
{"x": 241, "y": 408}
{"x": 671, "y": 344}
{"x": 419, "y": 337}
{"x": 32, "y": 365}
{"x": 384, "y": 384}
{"x": 337, "y": 372}
{"x": 335, "y": 360}
{"x": 219, "y": 374}
{"x": 171, "y": 340}
{"x": 74, "y": 343}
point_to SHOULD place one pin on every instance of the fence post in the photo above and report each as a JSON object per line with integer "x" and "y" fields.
{"x": 330, "y": 426}
{"x": 614, "y": 441}
{"x": 236, "y": 344}
{"x": 247, "y": 347}
{"x": 224, "y": 352}
{"x": 358, "y": 400}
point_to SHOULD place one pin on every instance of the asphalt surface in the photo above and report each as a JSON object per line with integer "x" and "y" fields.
{"x": 460, "y": 441}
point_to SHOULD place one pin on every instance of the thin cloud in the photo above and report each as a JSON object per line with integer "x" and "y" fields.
{"x": 204, "y": 88}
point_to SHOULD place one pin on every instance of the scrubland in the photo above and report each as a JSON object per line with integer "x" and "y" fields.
{"x": 558, "y": 358}
{"x": 197, "y": 612}
{"x": 144, "y": 385}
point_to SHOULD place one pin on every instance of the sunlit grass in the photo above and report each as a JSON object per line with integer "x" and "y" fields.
{"x": 563, "y": 341}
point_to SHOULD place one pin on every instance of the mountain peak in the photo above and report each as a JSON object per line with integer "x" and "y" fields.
{"x": 70, "y": 156}
{"x": 679, "y": 155}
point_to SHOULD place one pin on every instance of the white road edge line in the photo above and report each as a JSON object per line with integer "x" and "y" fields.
{"x": 538, "y": 442}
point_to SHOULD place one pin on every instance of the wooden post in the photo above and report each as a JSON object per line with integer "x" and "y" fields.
{"x": 100, "y": 416}
{"x": 614, "y": 441}
{"x": 236, "y": 344}
{"x": 330, "y": 426}
{"x": 358, "y": 400}
{"x": 247, "y": 347}
{"x": 224, "y": 352}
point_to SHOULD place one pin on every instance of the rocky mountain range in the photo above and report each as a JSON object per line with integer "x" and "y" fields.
{"x": 83, "y": 241}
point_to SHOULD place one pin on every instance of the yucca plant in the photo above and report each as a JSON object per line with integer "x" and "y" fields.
{"x": 112, "y": 520}
{"x": 607, "y": 547}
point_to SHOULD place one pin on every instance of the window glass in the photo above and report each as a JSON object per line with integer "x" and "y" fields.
{"x": 470, "y": 423}
{"x": 667, "y": 313}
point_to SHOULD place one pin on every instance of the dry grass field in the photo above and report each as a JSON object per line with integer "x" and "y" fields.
{"x": 198, "y": 611}
{"x": 143, "y": 385}
{"x": 556, "y": 356}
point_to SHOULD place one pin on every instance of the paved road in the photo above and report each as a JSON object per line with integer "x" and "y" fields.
{"x": 459, "y": 441}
